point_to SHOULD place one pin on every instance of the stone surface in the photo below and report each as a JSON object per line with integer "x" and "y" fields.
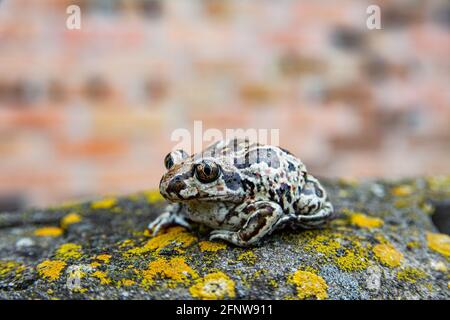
{"x": 381, "y": 245}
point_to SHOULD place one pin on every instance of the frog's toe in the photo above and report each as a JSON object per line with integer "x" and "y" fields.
{"x": 160, "y": 222}
{"x": 155, "y": 227}
{"x": 220, "y": 235}
{"x": 228, "y": 236}
{"x": 152, "y": 224}
{"x": 182, "y": 222}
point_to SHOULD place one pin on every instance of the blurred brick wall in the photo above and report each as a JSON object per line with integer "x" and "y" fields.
{"x": 90, "y": 111}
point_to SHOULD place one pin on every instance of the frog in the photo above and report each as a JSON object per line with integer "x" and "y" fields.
{"x": 242, "y": 190}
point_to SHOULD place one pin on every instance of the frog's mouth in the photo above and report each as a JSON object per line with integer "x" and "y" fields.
{"x": 192, "y": 194}
{"x": 221, "y": 198}
{"x": 217, "y": 198}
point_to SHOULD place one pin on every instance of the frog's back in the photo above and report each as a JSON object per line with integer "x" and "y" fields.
{"x": 267, "y": 172}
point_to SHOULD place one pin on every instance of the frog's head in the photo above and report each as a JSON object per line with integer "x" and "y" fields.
{"x": 200, "y": 178}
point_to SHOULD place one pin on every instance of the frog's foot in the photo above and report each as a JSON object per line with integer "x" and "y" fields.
{"x": 166, "y": 219}
{"x": 261, "y": 222}
{"x": 318, "y": 218}
{"x": 228, "y": 236}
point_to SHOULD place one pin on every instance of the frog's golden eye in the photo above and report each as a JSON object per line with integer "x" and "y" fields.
{"x": 168, "y": 161}
{"x": 207, "y": 171}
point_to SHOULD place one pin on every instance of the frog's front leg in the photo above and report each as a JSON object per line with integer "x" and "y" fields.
{"x": 262, "y": 221}
{"x": 172, "y": 215}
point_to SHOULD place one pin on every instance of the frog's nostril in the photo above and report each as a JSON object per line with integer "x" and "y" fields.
{"x": 176, "y": 186}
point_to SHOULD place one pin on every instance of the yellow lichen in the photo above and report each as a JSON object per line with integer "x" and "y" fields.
{"x": 176, "y": 236}
{"x": 334, "y": 247}
{"x": 50, "y": 269}
{"x": 103, "y": 257}
{"x": 175, "y": 269}
{"x": 126, "y": 282}
{"x": 102, "y": 277}
{"x": 105, "y": 203}
{"x": 388, "y": 255}
{"x": 153, "y": 196}
{"x": 273, "y": 283}
{"x": 48, "y": 232}
{"x": 439, "y": 242}
{"x": 401, "y": 191}
{"x": 69, "y": 251}
{"x": 147, "y": 233}
{"x": 363, "y": 221}
{"x": 352, "y": 260}
{"x": 126, "y": 243}
{"x": 410, "y": 274}
{"x": 247, "y": 256}
{"x": 9, "y": 267}
{"x": 69, "y": 219}
{"x": 323, "y": 244}
{"x": 309, "y": 285}
{"x": 209, "y": 246}
{"x": 213, "y": 286}
{"x": 413, "y": 244}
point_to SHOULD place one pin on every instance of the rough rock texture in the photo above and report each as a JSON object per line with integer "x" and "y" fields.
{"x": 382, "y": 245}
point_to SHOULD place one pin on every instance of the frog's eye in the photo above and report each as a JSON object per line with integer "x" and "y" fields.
{"x": 207, "y": 171}
{"x": 168, "y": 161}
{"x": 174, "y": 157}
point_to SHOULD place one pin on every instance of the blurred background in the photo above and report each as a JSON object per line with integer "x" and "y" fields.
{"x": 90, "y": 112}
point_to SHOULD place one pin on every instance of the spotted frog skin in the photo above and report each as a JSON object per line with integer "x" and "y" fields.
{"x": 242, "y": 190}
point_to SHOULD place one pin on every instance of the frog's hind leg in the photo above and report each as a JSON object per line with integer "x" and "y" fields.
{"x": 261, "y": 222}
{"x": 313, "y": 208}
{"x": 317, "y": 218}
